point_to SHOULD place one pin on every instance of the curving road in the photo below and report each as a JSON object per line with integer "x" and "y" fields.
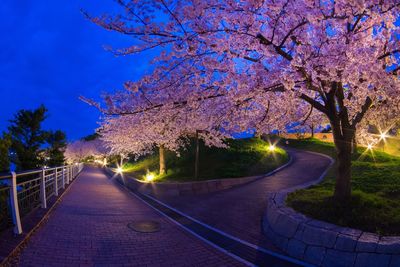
{"x": 239, "y": 211}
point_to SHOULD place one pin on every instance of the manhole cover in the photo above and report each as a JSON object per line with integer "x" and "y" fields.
{"x": 145, "y": 226}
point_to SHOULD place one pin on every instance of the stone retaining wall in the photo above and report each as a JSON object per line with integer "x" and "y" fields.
{"x": 325, "y": 244}
{"x": 188, "y": 188}
{"x": 182, "y": 189}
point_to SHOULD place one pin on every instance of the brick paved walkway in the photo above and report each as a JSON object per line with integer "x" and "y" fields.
{"x": 89, "y": 228}
{"x": 239, "y": 211}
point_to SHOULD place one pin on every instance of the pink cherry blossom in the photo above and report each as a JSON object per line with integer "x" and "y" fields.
{"x": 228, "y": 66}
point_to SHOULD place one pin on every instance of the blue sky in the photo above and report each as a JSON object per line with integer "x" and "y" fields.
{"x": 50, "y": 54}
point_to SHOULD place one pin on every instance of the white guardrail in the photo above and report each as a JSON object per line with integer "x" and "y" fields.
{"x": 22, "y": 192}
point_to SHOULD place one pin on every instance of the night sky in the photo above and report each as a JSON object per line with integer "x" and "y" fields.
{"x": 50, "y": 54}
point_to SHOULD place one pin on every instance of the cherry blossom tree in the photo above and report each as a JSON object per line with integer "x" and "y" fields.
{"x": 129, "y": 135}
{"x": 263, "y": 64}
{"x": 81, "y": 149}
{"x": 311, "y": 123}
{"x": 138, "y": 134}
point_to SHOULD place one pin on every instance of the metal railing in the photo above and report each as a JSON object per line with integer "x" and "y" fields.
{"x": 22, "y": 192}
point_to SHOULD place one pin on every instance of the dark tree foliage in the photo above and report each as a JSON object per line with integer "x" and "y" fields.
{"x": 5, "y": 144}
{"x": 27, "y": 137}
{"x": 57, "y": 145}
{"x": 91, "y": 137}
{"x": 328, "y": 129}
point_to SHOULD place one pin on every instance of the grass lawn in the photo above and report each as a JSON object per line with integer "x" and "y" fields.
{"x": 244, "y": 157}
{"x": 375, "y": 203}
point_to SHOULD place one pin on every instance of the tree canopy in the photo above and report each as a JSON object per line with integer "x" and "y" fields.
{"x": 27, "y": 137}
{"x": 29, "y": 140}
{"x": 5, "y": 144}
{"x": 264, "y": 64}
{"x": 55, "y": 152}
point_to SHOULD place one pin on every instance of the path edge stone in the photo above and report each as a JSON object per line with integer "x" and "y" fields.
{"x": 321, "y": 243}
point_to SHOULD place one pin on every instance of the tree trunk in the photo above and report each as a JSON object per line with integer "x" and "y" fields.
{"x": 343, "y": 179}
{"x": 343, "y": 129}
{"x": 312, "y": 130}
{"x": 121, "y": 162}
{"x": 354, "y": 145}
{"x": 343, "y": 143}
{"x": 196, "y": 162}
{"x": 162, "y": 160}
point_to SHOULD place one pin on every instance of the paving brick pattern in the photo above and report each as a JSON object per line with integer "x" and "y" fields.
{"x": 239, "y": 211}
{"x": 89, "y": 228}
{"x": 9, "y": 241}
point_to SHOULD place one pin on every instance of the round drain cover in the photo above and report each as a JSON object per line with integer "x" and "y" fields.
{"x": 145, "y": 226}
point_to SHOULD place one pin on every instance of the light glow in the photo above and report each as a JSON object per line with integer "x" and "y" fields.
{"x": 370, "y": 146}
{"x": 120, "y": 170}
{"x": 271, "y": 148}
{"x": 383, "y": 136}
{"x": 149, "y": 177}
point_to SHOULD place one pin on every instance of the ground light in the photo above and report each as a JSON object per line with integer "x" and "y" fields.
{"x": 369, "y": 150}
{"x": 271, "y": 148}
{"x": 149, "y": 177}
{"x": 383, "y": 136}
{"x": 120, "y": 170}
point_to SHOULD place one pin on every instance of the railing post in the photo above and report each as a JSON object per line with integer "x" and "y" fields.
{"x": 14, "y": 205}
{"x": 66, "y": 174}
{"x": 70, "y": 173}
{"x": 63, "y": 177}
{"x": 43, "y": 189}
{"x": 56, "y": 182}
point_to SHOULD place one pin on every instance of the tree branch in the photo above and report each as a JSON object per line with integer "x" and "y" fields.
{"x": 278, "y": 49}
{"x": 173, "y": 15}
{"x": 360, "y": 115}
{"x": 387, "y": 54}
{"x": 314, "y": 103}
{"x": 304, "y": 22}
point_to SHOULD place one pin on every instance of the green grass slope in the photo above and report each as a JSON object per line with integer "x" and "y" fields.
{"x": 244, "y": 157}
{"x": 375, "y": 202}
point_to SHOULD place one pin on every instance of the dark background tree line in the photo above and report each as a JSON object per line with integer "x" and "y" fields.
{"x": 29, "y": 146}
